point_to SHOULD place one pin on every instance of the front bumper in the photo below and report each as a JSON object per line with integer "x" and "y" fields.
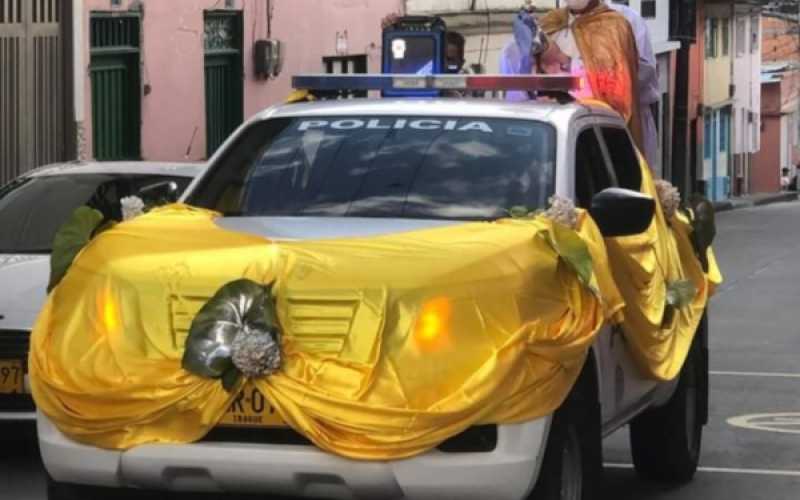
{"x": 14, "y": 345}
{"x": 18, "y": 407}
{"x": 507, "y": 473}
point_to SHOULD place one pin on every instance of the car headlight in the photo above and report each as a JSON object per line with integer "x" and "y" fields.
{"x": 432, "y": 327}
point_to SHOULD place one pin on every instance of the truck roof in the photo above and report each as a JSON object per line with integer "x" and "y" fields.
{"x": 461, "y": 107}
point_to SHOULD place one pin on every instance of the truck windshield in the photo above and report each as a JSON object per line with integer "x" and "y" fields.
{"x": 383, "y": 166}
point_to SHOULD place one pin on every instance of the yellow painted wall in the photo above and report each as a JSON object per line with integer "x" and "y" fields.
{"x": 718, "y": 70}
{"x": 717, "y": 74}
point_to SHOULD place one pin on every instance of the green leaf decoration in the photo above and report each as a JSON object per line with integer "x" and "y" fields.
{"x": 680, "y": 293}
{"x": 518, "y": 212}
{"x": 572, "y": 250}
{"x": 70, "y": 240}
{"x": 704, "y": 227}
{"x": 668, "y": 320}
{"x": 231, "y": 379}
{"x": 241, "y": 307}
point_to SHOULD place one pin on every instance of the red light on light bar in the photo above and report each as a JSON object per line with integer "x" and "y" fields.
{"x": 553, "y": 83}
{"x": 563, "y": 83}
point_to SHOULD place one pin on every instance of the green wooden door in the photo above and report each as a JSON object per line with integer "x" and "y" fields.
{"x": 223, "y": 77}
{"x": 116, "y": 95}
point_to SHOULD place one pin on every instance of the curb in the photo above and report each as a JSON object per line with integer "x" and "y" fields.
{"x": 735, "y": 204}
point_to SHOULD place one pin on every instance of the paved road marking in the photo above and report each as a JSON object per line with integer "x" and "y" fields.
{"x": 727, "y": 470}
{"x": 757, "y": 374}
{"x": 31, "y": 416}
{"x": 786, "y": 423}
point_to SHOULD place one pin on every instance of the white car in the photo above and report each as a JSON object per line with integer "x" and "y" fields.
{"x": 555, "y": 457}
{"x": 32, "y": 208}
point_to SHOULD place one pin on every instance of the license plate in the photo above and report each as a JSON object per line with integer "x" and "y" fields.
{"x": 251, "y": 409}
{"x": 11, "y": 376}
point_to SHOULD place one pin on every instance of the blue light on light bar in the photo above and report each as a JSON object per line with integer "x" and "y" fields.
{"x": 555, "y": 83}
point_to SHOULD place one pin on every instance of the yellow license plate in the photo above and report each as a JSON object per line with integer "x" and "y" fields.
{"x": 251, "y": 409}
{"x": 12, "y": 376}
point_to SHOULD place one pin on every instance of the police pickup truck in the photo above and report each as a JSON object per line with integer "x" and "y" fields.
{"x": 326, "y": 170}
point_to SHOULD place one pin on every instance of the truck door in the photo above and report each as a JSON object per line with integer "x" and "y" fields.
{"x": 631, "y": 389}
{"x": 592, "y": 175}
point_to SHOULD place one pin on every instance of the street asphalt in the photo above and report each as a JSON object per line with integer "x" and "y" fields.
{"x": 755, "y": 379}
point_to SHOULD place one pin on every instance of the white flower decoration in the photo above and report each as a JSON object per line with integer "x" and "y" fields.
{"x": 670, "y": 197}
{"x": 132, "y": 206}
{"x": 255, "y": 352}
{"x": 563, "y": 211}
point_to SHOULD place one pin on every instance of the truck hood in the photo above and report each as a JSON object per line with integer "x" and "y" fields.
{"x": 337, "y": 281}
{"x": 24, "y": 291}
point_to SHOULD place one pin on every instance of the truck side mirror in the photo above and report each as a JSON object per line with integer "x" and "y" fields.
{"x": 622, "y": 212}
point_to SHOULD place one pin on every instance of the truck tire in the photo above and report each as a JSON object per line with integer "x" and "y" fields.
{"x": 665, "y": 441}
{"x": 572, "y": 467}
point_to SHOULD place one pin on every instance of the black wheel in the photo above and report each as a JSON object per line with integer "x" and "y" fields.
{"x": 572, "y": 466}
{"x": 665, "y": 441}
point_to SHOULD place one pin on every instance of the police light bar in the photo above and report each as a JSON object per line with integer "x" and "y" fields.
{"x": 532, "y": 83}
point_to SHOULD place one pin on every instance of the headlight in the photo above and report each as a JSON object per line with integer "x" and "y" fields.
{"x": 432, "y": 328}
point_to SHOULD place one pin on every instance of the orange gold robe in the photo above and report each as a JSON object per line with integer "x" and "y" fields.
{"x": 608, "y": 49}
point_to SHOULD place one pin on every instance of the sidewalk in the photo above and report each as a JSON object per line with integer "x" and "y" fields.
{"x": 754, "y": 200}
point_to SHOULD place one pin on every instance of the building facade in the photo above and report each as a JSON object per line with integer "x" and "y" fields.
{"x": 162, "y": 80}
{"x": 746, "y": 117}
{"x": 780, "y": 102}
{"x": 717, "y": 101}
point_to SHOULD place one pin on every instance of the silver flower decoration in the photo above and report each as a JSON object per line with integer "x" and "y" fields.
{"x": 670, "y": 197}
{"x": 235, "y": 333}
{"x": 255, "y": 353}
{"x": 132, "y": 206}
{"x": 562, "y": 210}
{"x": 680, "y": 293}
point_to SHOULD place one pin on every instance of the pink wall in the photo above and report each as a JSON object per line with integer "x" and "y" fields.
{"x": 309, "y": 27}
{"x": 172, "y": 59}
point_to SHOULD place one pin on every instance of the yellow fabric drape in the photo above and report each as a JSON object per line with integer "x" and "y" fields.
{"x": 516, "y": 326}
{"x": 643, "y": 265}
{"x": 608, "y": 49}
{"x": 391, "y": 344}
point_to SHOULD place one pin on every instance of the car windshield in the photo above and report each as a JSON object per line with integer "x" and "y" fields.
{"x": 384, "y": 166}
{"x": 33, "y": 208}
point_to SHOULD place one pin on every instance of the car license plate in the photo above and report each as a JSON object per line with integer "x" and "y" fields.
{"x": 12, "y": 376}
{"x": 251, "y": 409}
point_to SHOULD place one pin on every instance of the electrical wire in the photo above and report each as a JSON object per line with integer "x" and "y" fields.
{"x": 270, "y": 13}
{"x": 488, "y": 34}
{"x": 255, "y": 20}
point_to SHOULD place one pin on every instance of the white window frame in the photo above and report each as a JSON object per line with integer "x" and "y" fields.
{"x": 755, "y": 33}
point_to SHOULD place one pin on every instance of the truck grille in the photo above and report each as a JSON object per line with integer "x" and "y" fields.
{"x": 317, "y": 324}
{"x": 321, "y": 324}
